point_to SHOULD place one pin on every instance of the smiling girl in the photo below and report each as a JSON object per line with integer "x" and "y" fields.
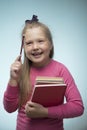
{"x": 38, "y": 61}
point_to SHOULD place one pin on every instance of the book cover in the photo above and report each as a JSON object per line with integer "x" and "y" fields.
{"x": 50, "y": 94}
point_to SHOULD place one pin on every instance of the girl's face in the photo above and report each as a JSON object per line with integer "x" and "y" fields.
{"x": 37, "y": 47}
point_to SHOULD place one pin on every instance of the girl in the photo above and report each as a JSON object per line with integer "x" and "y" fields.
{"x": 38, "y": 54}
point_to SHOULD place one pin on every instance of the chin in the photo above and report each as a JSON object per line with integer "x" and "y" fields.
{"x": 38, "y": 63}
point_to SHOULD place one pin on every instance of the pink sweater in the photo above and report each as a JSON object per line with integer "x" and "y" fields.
{"x": 73, "y": 106}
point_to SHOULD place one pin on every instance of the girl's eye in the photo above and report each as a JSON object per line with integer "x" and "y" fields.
{"x": 28, "y": 43}
{"x": 40, "y": 41}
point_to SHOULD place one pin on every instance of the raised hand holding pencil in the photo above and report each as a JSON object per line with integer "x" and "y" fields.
{"x": 15, "y": 68}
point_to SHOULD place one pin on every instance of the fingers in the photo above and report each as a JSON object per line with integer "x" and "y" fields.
{"x": 19, "y": 58}
{"x": 28, "y": 109}
{"x": 15, "y": 68}
{"x": 29, "y": 106}
{"x": 35, "y": 110}
{"x": 33, "y": 104}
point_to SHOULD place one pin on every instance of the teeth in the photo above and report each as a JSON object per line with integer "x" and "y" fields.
{"x": 36, "y": 54}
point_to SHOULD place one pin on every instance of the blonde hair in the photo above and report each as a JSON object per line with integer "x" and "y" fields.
{"x": 25, "y": 84}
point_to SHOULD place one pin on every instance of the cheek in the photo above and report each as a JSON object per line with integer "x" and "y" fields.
{"x": 48, "y": 48}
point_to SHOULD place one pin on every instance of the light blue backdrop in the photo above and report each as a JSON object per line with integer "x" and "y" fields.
{"x": 67, "y": 20}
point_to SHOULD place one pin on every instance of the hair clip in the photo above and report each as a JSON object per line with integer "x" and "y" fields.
{"x": 34, "y": 19}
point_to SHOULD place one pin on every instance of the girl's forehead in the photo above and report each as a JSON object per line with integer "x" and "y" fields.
{"x": 35, "y": 31}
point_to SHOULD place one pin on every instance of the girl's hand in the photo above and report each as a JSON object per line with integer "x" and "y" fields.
{"x": 15, "y": 71}
{"x": 35, "y": 110}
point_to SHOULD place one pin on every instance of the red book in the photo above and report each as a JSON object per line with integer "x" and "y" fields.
{"x": 50, "y": 94}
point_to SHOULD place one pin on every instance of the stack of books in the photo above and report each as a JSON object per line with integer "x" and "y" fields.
{"x": 49, "y": 91}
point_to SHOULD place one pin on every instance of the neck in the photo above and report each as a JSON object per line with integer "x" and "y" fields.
{"x": 41, "y": 64}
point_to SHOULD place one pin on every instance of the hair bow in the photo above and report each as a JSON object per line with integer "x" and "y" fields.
{"x": 34, "y": 19}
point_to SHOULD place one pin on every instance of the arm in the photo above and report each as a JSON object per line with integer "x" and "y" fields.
{"x": 74, "y": 105}
{"x": 10, "y": 99}
{"x": 11, "y": 95}
{"x": 72, "y": 108}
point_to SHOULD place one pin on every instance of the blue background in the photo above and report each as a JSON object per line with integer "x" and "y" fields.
{"x": 67, "y": 20}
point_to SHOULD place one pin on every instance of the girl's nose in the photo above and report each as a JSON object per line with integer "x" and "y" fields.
{"x": 35, "y": 46}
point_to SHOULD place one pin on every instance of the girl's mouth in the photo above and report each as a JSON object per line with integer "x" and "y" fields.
{"x": 37, "y": 54}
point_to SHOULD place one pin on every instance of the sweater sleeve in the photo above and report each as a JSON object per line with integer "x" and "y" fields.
{"x": 10, "y": 99}
{"x": 73, "y": 106}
